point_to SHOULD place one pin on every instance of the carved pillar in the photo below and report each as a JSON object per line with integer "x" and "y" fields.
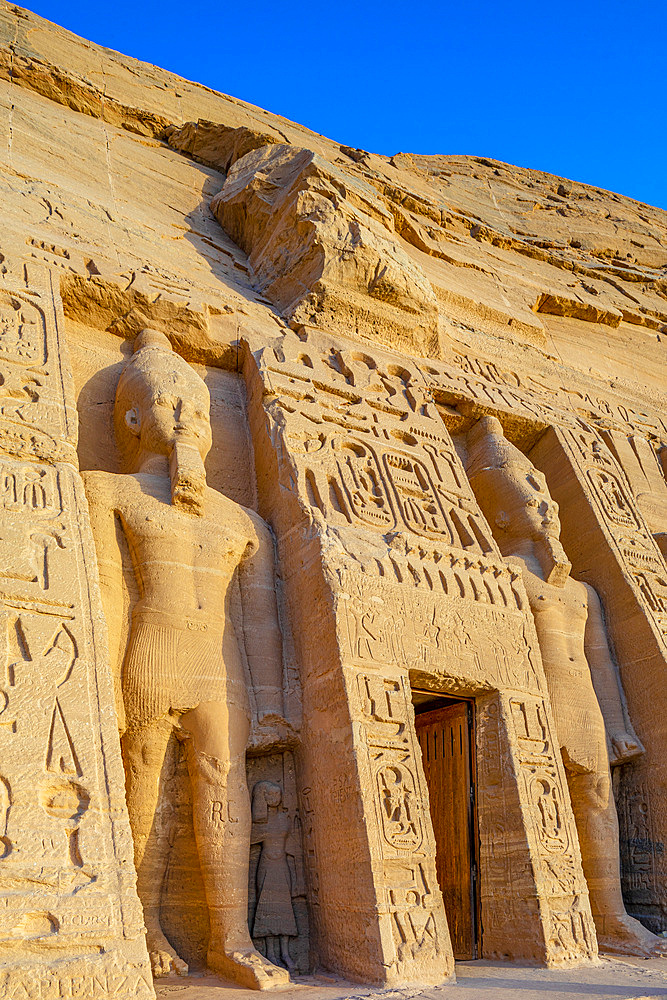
{"x": 612, "y": 548}
{"x": 70, "y": 920}
{"x": 525, "y": 811}
{"x": 391, "y": 575}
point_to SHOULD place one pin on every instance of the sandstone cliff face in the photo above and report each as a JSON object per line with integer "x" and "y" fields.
{"x": 504, "y": 251}
{"x": 353, "y": 316}
{"x": 323, "y": 247}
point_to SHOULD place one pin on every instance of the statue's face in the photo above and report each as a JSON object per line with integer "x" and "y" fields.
{"x": 533, "y": 510}
{"x": 173, "y": 405}
{"x": 274, "y": 796}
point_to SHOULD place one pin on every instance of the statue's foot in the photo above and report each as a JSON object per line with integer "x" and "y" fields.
{"x": 626, "y": 747}
{"x": 247, "y": 968}
{"x": 285, "y": 957}
{"x": 623, "y": 935}
{"x": 163, "y": 958}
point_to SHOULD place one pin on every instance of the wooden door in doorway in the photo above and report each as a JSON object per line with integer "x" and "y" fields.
{"x": 444, "y": 736}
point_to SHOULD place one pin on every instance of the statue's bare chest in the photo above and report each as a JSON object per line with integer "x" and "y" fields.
{"x": 158, "y": 532}
{"x": 569, "y": 603}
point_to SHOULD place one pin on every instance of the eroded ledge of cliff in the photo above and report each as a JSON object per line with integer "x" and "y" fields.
{"x": 405, "y": 249}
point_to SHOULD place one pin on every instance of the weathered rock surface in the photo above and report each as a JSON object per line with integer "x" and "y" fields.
{"x": 352, "y": 316}
{"x": 214, "y": 145}
{"x": 507, "y": 245}
{"x": 323, "y": 248}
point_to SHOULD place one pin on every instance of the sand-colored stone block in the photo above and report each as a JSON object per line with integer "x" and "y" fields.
{"x": 320, "y": 509}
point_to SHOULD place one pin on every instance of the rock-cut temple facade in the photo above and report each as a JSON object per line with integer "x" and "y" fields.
{"x": 333, "y": 524}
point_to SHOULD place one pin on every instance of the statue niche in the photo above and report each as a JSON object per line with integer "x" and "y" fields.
{"x": 582, "y": 678}
{"x": 182, "y": 671}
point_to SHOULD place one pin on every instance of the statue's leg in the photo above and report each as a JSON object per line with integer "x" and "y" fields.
{"x": 597, "y": 826}
{"x": 144, "y": 751}
{"x": 285, "y": 953}
{"x": 218, "y": 735}
{"x": 271, "y": 950}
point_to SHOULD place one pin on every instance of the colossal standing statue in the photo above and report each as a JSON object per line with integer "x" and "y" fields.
{"x": 182, "y": 671}
{"x": 582, "y": 678}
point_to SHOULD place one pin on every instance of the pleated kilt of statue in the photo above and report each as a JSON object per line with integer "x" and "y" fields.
{"x": 172, "y": 664}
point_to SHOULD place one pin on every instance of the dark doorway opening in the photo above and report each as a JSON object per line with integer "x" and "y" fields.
{"x": 445, "y": 730}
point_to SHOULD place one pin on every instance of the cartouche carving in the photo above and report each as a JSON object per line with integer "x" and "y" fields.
{"x": 583, "y": 681}
{"x": 183, "y": 670}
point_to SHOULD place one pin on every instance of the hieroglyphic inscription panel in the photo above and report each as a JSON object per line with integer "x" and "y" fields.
{"x": 366, "y": 452}
{"x": 70, "y": 923}
{"x": 553, "y": 829}
{"x": 428, "y": 633}
{"x": 610, "y": 494}
{"x": 418, "y": 585}
{"x": 540, "y": 397}
{"x": 34, "y": 421}
{"x": 411, "y": 912}
{"x": 524, "y": 798}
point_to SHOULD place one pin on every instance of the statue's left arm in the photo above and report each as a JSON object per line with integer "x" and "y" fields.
{"x": 607, "y": 683}
{"x": 261, "y": 630}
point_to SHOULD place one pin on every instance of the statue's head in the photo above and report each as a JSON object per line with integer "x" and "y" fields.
{"x": 264, "y": 795}
{"x": 160, "y": 402}
{"x": 514, "y": 496}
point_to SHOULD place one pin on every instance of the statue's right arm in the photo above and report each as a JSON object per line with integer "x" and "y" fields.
{"x": 110, "y": 568}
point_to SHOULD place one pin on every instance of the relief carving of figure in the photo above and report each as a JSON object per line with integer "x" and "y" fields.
{"x": 582, "y": 678}
{"x": 182, "y": 671}
{"x": 274, "y": 914}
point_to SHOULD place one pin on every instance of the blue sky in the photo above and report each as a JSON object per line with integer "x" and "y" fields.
{"x": 578, "y": 89}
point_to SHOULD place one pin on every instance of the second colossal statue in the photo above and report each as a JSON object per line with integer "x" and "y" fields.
{"x": 582, "y": 678}
{"x": 182, "y": 671}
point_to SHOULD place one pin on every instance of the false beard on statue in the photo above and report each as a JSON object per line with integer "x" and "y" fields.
{"x": 551, "y": 555}
{"x": 188, "y": 478}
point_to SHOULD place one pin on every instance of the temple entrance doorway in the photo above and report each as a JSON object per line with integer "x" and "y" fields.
{"x": 445, "y": 731}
